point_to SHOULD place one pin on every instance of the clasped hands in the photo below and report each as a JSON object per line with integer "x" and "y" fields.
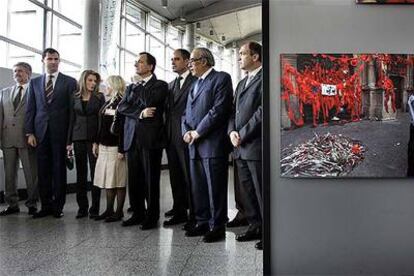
{"x": 235, "y": 138}
{"x": 190, "y": 136}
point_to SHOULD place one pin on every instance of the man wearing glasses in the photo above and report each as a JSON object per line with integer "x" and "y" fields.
{"x": 204, "y": 129}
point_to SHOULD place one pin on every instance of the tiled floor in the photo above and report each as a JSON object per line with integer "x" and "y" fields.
{"x": 85, "y": 247}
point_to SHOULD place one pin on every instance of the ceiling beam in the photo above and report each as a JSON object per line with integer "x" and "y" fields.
{"x": 216, "y": 9}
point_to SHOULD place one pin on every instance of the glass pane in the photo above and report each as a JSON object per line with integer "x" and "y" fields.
{"x": 13, "y": 54}
{"x": 134, "y": 39}
{"x": 174, "y": 37}
{"x": 129, "y": 68}
{"x": 67, "y": 39}
{"x": 72, "y": 9}
{"x": 135, "y": 14}
{"x": 69, "y": 70}
{"x": 156, "y": 28}
{"x": 160, "y": 73}
{"x": 227, "y": 64}
{"x": 24, "y": 16}
{"x": 157, "y": 50}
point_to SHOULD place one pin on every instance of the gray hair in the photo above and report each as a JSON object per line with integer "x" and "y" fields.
{"x": 207, "y": 55}
{"x": 26, "y": 67}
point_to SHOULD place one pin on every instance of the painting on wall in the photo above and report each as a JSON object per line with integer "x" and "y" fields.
{"x": 347, "y": 115}
{"x": 385, "y": 1}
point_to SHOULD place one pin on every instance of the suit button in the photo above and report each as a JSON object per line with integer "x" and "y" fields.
{"x": 13, "y": 124}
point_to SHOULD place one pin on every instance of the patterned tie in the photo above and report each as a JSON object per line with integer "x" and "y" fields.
{"x": 49, "y": 89}
{"x": 17, "y": 97}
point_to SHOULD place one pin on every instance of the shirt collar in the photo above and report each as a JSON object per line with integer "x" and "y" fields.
{"x": 206, "y": 73}
{"x": 24, "y": 86}
{"x": 253, "y": 73}
{"x": 147, "y": 79}
{"x": 185, "y": 75}
{"x": 55, "y": 75}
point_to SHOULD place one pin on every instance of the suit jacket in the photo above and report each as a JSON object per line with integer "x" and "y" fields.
{"x": 84, "y": 123}
{"x": 208, "y": 112}
{"x": 175, "y": 110}
{"x": 149, "y": 132}
{"x": 246, "y": 118}
{"x": 55, "y": 116}
{"x": 12, "y": 121}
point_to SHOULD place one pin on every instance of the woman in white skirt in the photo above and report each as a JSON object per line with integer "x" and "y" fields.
{"x": 111, "y": 167}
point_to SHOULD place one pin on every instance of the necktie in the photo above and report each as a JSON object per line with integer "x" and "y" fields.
{"x": 17, "y": 97}
{"x": 196, "y": 86}
{"x": 249, "y": 79}
{"x": 177, "y": 85}
{"x": 49, "y": 89}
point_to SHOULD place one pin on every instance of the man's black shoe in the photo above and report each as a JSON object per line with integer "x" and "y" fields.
{"x": 93, "y": 215}
{"x": 32, "y": 210}
{"x": 81, "y": 215}
{"x": 9, "y": 211}
{"x": 175, "y": 220}
{"x": 253, "y": 233}
{"x": 237, "y": 222}
{"x": 149, "y": 224}
{"x": 132, "y": 221}
{"x": 58, "y": 214}
{"x": 42, "y": 214}
{"x": 188, "y": 225}
{"x": 169, "y": 213}
{"x": 215, "y": 235}
{"x": 197, "y": 230}
{"x": 104, "y": 215}
{"x": 259, "y": 245}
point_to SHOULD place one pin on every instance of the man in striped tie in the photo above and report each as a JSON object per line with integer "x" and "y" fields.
{"x": 46, "y": 124}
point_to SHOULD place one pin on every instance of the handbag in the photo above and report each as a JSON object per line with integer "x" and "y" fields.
{"x": 69, "y": 160}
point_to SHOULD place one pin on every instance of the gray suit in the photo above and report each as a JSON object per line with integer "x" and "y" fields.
{"x": 14, "y": 145}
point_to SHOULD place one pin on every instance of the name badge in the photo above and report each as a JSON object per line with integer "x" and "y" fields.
{"x": 110, "y": 112}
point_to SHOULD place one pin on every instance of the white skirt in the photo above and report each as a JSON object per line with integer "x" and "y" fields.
{"x": 110, "y": 172}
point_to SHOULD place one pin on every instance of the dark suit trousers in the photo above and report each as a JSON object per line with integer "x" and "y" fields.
{"x": 51, "y": 173}
{"x": 179, "y": 166}
{"x": 144, "y": 169}
{"x": 238, "y": 193}
{"x": 83, "y": 154}
{"x": 11, "y": 167}
{"x": 209, "y": 190}
{"x": 250, "y": 177}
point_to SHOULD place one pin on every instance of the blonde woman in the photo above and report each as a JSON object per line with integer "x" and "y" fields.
{"x": 111, "y": 167}
{"x": 83, "y": 130}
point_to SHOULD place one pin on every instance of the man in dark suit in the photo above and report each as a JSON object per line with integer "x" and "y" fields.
{"x": 47, "y": 119}
{"x": 177, "y": 150}
{"x": 204, "y": 128}
{"x": 245, "y": 131}
{"x": 144, "y": 138}
{"x": 14, "y": 142}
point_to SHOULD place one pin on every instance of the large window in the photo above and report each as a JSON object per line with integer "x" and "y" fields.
{"x": 29, "y": 26}
{"x": 145, "y": 31}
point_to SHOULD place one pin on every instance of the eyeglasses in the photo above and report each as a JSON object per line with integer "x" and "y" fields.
{"x": 192, "y": 60}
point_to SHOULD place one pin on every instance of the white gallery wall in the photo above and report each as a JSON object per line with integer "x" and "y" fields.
{"x": 338, "y": 226}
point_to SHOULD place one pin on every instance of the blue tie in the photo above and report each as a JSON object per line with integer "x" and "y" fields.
{"x": 197, "y": 86}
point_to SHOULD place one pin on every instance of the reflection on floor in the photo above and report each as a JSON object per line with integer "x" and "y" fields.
{"x": 85, "y": 247}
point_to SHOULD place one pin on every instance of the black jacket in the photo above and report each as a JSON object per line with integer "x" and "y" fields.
{"x": 84, "y": 123}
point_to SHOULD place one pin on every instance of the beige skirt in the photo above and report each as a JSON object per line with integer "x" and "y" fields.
{"x": 110, "y": 172}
